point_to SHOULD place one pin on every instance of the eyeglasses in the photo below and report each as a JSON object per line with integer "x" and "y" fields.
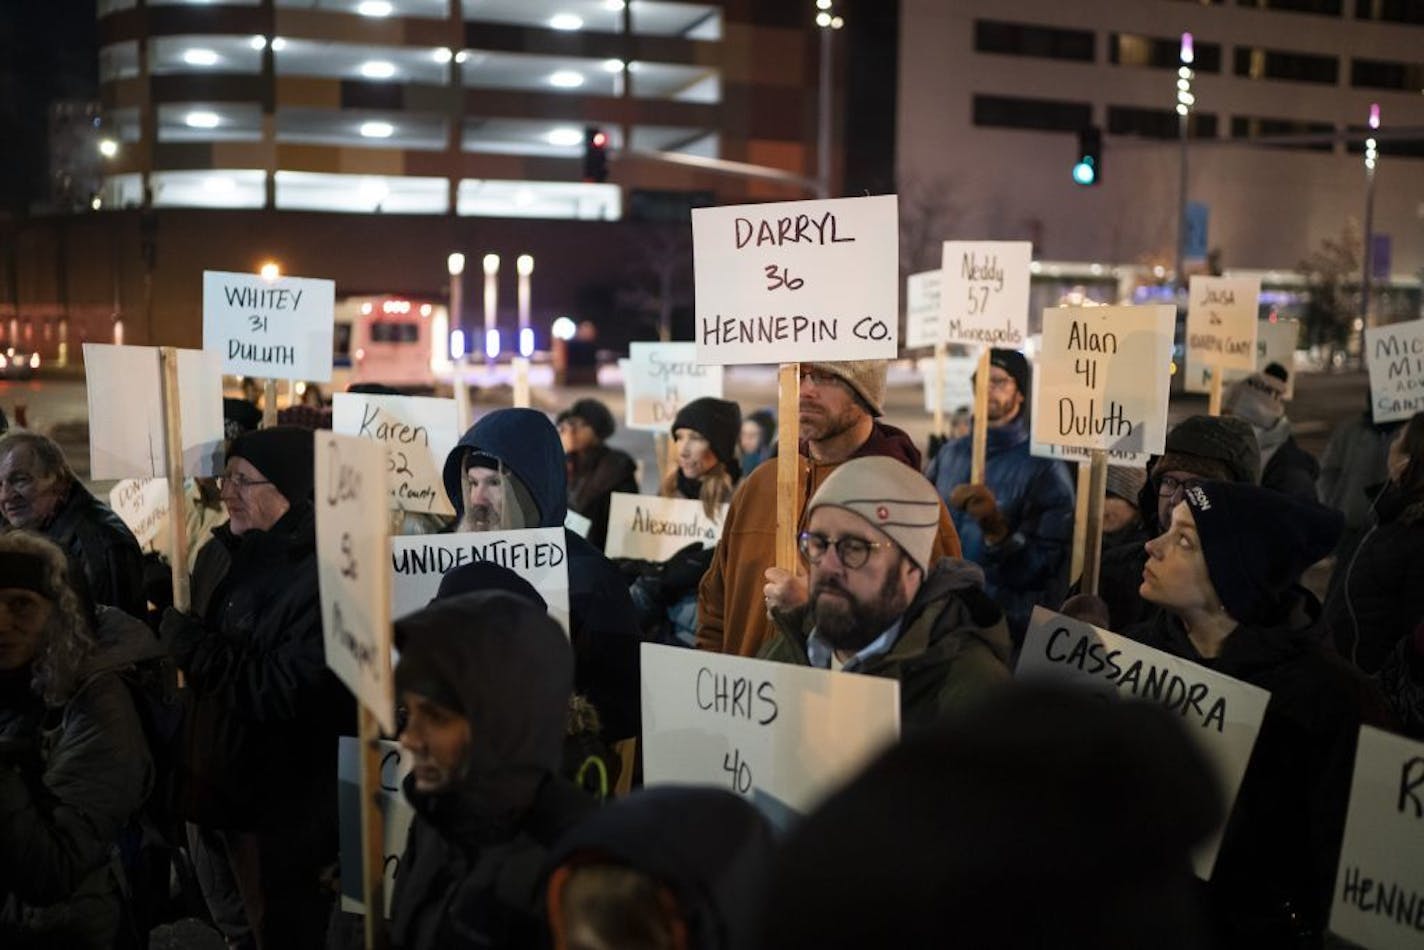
{"x": 1169, "y": 487}
{"x": 239, "y": 483}
{"x": 820, "y": 379}
{"x": 851, "y": 551}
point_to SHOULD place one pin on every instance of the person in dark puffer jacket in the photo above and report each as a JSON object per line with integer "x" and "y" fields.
{"x": 595, "y": 469}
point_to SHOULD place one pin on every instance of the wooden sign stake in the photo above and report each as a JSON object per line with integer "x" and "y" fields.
{"x": 269, "y": 403}
{"x": 373, "y": 861}
{"x": 981, "y": 419}
{"x": 788, "y": 465}
{"x": 177, "y": 498}
{"x": 521, "y": 382}
{"x": 1093, "y": 540}
{"x": 1082, "y": 490}
{"x": 462, "y": 396}
{"x": 939, "y": 389}
{"x": 1213, "y": 402}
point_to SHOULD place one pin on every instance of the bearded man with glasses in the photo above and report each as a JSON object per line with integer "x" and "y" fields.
{"x": 880, "y": 603}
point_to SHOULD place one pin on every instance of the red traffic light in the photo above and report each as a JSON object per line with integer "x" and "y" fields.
{"x": 599, "y": 140}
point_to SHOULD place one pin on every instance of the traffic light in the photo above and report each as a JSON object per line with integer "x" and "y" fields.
{"x": 595, "y": 154}
{"x": 1088, "y": 169}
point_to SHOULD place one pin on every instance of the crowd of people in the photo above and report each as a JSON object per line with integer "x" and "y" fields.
{"x": 158, "y": 763}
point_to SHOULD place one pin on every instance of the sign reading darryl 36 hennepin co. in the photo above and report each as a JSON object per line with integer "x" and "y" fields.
{"x": 278, "y": 328}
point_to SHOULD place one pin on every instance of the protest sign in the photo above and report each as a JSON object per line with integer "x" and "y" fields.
{"x": 958, "y": 391}
{"x": 1379, "y": 890}
{"x": 277, "y": 328}
{"x": 984, "y": 293}
{"x": 1103, "y": 375}
{"x": 396, "y": 815}
{"x": 797, "y": 281}
{"x": 922, "y": 306}
{"x": 1223, "y": 714}
{"x": 771, "y": 731}
{"x": 661, "y": 378}
{"x": 539, "y": 555}
{"x": 1073, "y": 454}
{"x": 651, "y": 528}
{"x": 577, "y": 523}
{"x": 418, "y": 434}
{"x": 142, "y": 504}
{"x": 1275, "y": 343}
{"x": 351, "y": 551}
{"x": 1222, "y": 322}
{"x": 1396, "y": 363}
{"x": 126, "y": 422}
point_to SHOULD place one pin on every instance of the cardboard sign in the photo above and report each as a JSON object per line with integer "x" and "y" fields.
{"x": 142, "y": 504}
{"x": 1102, "y": 378}
{"x": 351, "y": 551}
{"x": 539, "y": 555}
{"x": 1379, "y": 890}
{"x": 396, "y": 816}
{"x": 651, "y": 528}
{"x": 1275, "y": 343}
{"x": 797, "y": 281}
{"x": 958, "y": 389}
{"x": 661, "y": 378}
{"x": 984, "y": 292}
{"x": 126, "y": 432}
{"x": 417, "y": 432}
{"x": 1222, "y": 713}
{"x": 922, "y": 322}
{"x": 1074, "y": 454}
{"x": 1396, "y": 363}
{"x": 775, "y": 732}
{"x": 577, "y": 523}
{"x": 277, "y": 329}
{"x": 1222, "y": 321}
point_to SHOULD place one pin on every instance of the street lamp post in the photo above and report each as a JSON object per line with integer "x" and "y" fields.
{"x": 455, "y": 264}
{"x": 491, "y": 340}
{"x": 1185, "y": 101}
{"x": 524, "y": 265}
{"x": 1371, "y": 159}
{"x": 828, "y": 22}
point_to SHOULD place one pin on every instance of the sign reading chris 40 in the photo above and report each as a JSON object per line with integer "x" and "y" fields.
{"x": 278, "y": 328}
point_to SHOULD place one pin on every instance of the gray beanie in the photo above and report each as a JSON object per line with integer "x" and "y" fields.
{"x": 866, "y": 378}
{"x": 890, "y": 496}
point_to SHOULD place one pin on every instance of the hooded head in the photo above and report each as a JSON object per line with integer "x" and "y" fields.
{"x": 526, "y": 445}
{"x": 1259, "y": 399}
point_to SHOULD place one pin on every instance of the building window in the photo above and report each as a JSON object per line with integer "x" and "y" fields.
{"x": 1257, "y": 63}
{"x": 210, "y": 122}
{"x": 1131, "y": 49}
{"x": 1322, "y": 7}
{"x": 203, "y": 54}
{"x": 1379, "y": 74}
{"x": 388, "y": 194}
{"x": 1048, "y": 115}
{"x": 1158, "y": 123}
{"x": 243, "y": 188}
{"x": 485, "y": 197}
{"x": 1390, "y": 11}
{"x": 118, "y": 61}
{"x": 1022, "y": 39}
{"x": 1288, "y": 133}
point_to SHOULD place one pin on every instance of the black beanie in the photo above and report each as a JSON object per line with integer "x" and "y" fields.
{"x": 239, "y": 416}
{"x": 1257, "y": 543}
{"x": 595, "y": 414}
{"x": 284, "y": 455}
{"x": 719, "y": 421}
{"x": 1225, "y": 439}
{"x": 486, "y": 575}
{"x": 1016, "y": 365}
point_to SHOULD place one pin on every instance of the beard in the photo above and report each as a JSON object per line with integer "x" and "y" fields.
{"x": 851, "y": 625}
{"x": 817, "y": 424}
{"x": 480, "y": 518}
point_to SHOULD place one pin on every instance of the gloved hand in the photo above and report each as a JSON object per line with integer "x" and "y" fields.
{"x": 684, "y": 570}
{"x": 179, "y": 633}
{"x": 979, "y": 503}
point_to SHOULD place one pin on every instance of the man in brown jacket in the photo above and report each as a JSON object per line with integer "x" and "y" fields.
{"x": 840, "y": 403}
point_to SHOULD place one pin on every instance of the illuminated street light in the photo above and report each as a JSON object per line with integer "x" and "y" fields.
{"x": 270, "y": 270}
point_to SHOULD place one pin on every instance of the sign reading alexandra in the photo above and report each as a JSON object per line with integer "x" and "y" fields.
{"x": 1275, "y": 343}
{"x": 350, "y": 550}
{"x": 1221, "y": 322}
{"x": 984, "y": 293}
{"x": 539, "y": 555}
{"x": 780, "y": 734}
{"x": 651, "y": 528}
{"x": 418, "y": 433}
{"x": 1222, "y": 713}
{"x": 797, "y": 281}
{"x": 396, "y": 815}
{"x": 1379, "y": 890}
{"x": 922, "y": 323}
{"x": 279, "y": 328}
{"x": 126, "y": 431}
{"x": 1396, "y": 363}
{"x": 661, "y": 378}
{"x": 1103, "y": 374}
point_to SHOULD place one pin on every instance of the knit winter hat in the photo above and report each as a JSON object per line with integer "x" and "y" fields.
{"x": 1221, "y": 439}
{"x": 891, "y": 496}
{"x": 1257, "y": 543}
{"x": 285, "y": 457}
{"x": 1258, "y": 399}
{"x": 866, "y": 378}
{"x": 486, "y": 576}
{"x": 1126, "y": 483}
{"x": 594, "y": 413}
{"x": 1016, "y": 365}
{"x": 719, "y": 421}
{"x": 239, "y": 416}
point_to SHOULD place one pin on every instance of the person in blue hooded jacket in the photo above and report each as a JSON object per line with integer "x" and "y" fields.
{"x": 1018, "y": 525}
{"x": 508, "y": 472}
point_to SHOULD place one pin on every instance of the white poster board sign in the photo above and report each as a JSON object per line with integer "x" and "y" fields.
{"x": 1222, "y": 322}
{"x": 651, "y": 528}
{"x": 1275, "y": 343}
{"x": 1075, "y": 454}
{"x": 1379, "y": 890}
{"x": 1102, "y": 378}
{"x": 1396, "y": 362}
{"x": 355, "y": 587}
{"x": 797, "y": 281}
{"x": 922, "y": 323}
{"x": 126, "y": 431}
{"x": 1222, "y": 713}
{"x": 958, "y": 391}
{"x": 396, "y": 816}
{"x": 418, "y": 432}
{"x": 280, "y": 328}
{"x": 539, "y": 555}
{"x": 142, "y": 504}
{"x": 661, "y": 378}
{"x": 984, "y": 292}
{"x": 783, "y": 734}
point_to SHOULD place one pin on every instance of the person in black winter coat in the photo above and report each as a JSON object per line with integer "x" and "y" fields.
{"x": 1380, "y": 597}
{"x": 258, "y": 780}
{"x": 75, "y": 766}
{"x": 39, "y": 492}
{"x": 507, "y": 472}
{"x": 595, "y": 469}
{"x": 665, "y": 862}
{"x": 1285, "y": 466}
{"x": 483, "y": 683}
{"x": 1225, "y": 577}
